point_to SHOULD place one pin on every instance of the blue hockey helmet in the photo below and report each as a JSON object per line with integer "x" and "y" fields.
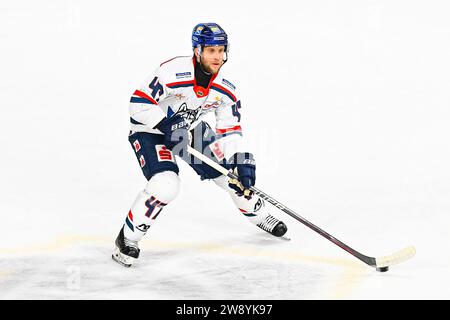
{"x": 209, "y": 34}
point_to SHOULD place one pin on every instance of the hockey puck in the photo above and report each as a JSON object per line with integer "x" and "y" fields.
{"x": 382, "y": 269}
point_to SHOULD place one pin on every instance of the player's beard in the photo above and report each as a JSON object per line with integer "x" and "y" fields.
{"x": 209, "y": 69}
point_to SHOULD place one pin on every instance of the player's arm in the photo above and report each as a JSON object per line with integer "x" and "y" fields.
{"x": 144, "y": 109}
{"x": 229, "y": 134}
{"x": 228, "y": 128}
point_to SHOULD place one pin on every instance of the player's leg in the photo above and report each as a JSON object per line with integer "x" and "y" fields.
{"x": 254, "y": 209}
{"x": 161, "y": 171}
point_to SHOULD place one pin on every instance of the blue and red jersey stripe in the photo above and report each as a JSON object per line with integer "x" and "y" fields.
{"x": 214, "y": 86}
{"x": 142, "y": 97}
{"x": 224, "y": 91}
{"x": 180, "y": 84}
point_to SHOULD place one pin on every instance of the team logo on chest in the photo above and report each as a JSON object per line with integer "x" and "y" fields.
{"x": 189, "y": 115}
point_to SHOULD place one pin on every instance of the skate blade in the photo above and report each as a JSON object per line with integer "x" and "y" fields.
{"x": 284, "y": 238}
{"x": 122, "y": 259}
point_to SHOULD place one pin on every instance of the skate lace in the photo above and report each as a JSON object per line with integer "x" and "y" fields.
{"x": 130, "y": 243}
{"x": 268, "y": 223}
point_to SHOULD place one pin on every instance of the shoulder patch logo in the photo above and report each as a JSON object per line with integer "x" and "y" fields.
{"x": 183, "y": 75}
{"x": 229, "y": 84}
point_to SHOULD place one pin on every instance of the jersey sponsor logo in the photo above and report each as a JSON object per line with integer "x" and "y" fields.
{"x": 228, "y": 84}
{"x": 177, "y": 126}
{"x": 142, "y": 161}
{"x": 207, "y": 106}
{"x": 137, "y": 145}
{"x": 163, "y": 153}
{"x": 183, "y": 75}
{"x": 217, "y": 152}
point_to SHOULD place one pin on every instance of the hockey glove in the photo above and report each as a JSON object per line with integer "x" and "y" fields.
{"x": 175, "y": 130}
{"x": 243, "y": 166}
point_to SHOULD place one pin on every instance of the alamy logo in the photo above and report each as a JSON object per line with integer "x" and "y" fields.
{"x": 249, "y": 161}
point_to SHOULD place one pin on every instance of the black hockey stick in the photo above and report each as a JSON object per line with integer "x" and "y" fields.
{"x": 381, "y": 264}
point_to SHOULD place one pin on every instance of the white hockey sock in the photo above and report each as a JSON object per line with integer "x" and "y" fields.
{"x": 161, "y": 189}
{"x": 142, "y": 215}
{"x": 254, "y": 209}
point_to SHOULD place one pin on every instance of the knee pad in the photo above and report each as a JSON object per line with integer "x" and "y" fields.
{"x": 164, "y": 186}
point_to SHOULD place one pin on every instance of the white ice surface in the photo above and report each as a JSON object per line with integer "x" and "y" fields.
{"x": 346, "y": 105}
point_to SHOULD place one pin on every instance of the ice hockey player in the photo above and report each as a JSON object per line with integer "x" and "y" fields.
{"x": 166, "y": 115}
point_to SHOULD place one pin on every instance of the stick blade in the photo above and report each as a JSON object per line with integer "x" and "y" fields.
{"x": 396, "y": 257}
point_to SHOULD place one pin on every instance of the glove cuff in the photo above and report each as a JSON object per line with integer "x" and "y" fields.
{"x": 241, "y": 158}
{"x": 168, "y": 125}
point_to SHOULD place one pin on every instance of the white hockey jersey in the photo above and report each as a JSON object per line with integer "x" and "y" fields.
{"x": 172, "y": 89}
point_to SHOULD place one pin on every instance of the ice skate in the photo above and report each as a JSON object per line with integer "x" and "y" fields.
{"x": 126, "y": 251}
{"x": 273, "y": 226}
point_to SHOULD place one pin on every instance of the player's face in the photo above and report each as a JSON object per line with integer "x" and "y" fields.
{"x": 212, "y": 58}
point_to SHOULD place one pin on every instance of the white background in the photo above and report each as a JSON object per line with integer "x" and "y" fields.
{"x": 345, "y": 104}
